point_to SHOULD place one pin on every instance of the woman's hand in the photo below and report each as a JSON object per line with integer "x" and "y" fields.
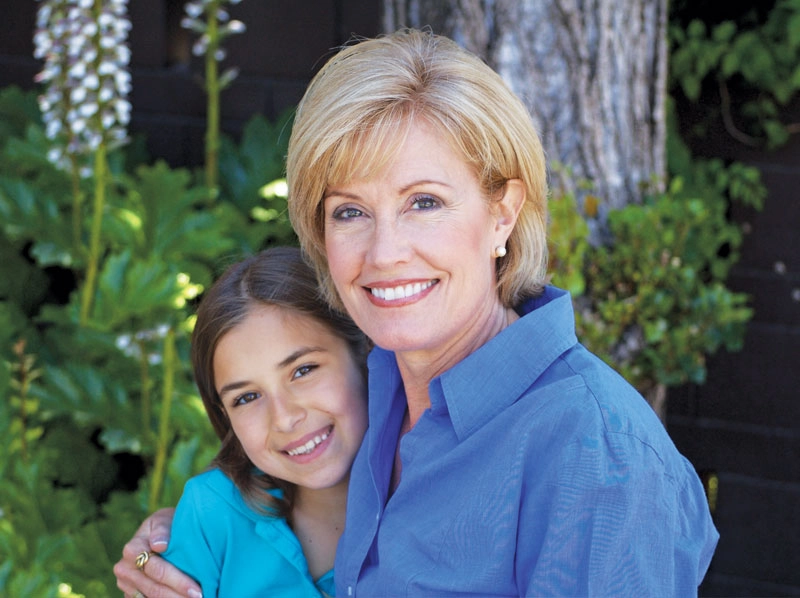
{"x": 157, "y": 578}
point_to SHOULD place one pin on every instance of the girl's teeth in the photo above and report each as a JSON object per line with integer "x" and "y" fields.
{"x": 308, "y": 446}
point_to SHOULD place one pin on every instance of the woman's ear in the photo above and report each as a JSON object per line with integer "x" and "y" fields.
{"x": 507, "y": 208}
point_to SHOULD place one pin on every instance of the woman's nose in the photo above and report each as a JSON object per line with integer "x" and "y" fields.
{"x": 389, "y": 244}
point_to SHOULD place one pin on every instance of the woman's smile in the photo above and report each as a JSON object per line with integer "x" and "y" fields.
{"x": 394, "y": 294}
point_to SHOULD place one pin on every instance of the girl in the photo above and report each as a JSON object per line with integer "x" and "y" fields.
{"x": 282, "y": 379}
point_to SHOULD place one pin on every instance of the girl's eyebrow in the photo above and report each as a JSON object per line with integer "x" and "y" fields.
{"x": 232, "y": 386}
{"x": 291, "y": 358}
{"x": 295, "y": 355}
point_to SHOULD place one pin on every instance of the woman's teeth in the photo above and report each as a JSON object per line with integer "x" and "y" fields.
{"x": 401, "y": 291}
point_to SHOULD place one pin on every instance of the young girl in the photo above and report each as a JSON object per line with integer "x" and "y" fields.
{"x": 282, "y": 380}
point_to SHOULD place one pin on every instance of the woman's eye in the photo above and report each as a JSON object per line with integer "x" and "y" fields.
{"x": 304, "y": 370}
{"x": 246, "y": 398}
{"x": 424, "y": 202}
{"x": 346, "y": 212}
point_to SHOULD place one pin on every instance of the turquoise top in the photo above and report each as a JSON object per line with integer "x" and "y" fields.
{"x": 232, "y": 550}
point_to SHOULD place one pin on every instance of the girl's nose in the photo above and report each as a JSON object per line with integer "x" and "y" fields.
{"x": 285, "y": 413}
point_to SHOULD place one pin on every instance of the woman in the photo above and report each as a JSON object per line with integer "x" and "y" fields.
{"x": 501, "y": 458}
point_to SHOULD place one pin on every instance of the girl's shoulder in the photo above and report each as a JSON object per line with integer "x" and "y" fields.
{"x": 213, "y": 490}
{"x": 212, "y": 482}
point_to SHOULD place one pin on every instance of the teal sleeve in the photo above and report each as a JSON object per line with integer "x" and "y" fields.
{"x": 193, "y": 547}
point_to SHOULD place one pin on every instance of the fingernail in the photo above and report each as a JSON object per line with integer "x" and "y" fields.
{"x": 195, "y": 594}
{"x": 159, "y": 542}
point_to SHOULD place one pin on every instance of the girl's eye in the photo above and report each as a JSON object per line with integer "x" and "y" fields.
{"x": 246, "y": 398}
{"x": 304, "y": 370}
{"x": 424, "y": 202}
{"x": 346, "y": 213}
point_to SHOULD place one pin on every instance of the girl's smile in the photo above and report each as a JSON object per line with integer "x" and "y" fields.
{"x": 294, "y": 395}
{"x": 312, "y": 447}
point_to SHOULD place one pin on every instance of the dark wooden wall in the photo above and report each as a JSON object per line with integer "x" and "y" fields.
{"x": 744, "y": 423}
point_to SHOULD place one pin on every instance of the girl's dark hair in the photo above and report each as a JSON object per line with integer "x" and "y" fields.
{"x": 279, "y": 277}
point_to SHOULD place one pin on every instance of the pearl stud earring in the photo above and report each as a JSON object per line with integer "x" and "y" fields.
{"x": 499, "y": 251}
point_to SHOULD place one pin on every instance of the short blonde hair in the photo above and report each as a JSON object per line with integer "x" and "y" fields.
{"x": 353, "y": 118}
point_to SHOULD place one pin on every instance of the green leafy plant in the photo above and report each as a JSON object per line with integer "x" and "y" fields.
{"x": 652, "y": 302}
{"x": 103, "y": 422}
{"x": 758, "y": 56}
{"x": 105, "y": 410}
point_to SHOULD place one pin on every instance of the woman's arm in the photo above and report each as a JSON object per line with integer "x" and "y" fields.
{"x": 158, "y": 579}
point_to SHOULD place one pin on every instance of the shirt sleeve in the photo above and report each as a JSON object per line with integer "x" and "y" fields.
{"x": 192, "y": 546}
{"x": 619, "y": 519}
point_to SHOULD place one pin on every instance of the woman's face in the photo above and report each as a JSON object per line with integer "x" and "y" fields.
{"x": 410, "y": 249}
{"x": 295, "y": 397}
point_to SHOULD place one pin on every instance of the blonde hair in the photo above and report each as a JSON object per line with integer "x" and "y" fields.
{"x": 354, "y": 116}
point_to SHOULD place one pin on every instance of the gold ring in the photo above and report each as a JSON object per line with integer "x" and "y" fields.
{"x": 141, "y": 560}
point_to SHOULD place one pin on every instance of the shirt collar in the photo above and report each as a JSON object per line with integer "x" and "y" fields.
{"x": 488, "y": 380}
{"x": 497, "y": 374}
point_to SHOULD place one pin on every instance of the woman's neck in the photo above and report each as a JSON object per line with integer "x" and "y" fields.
{"x": 418, "y": 368}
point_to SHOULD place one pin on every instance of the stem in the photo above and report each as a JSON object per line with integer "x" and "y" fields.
{"x": 97, "y": 223}
{"x": 144, "y": 373}
{"x": 163, "y": 427}
{"x": 22, "y": 368}
{"x": 212, "y": 91}
{"x": 727, "y": 118}
{"x": 77, "y": 201}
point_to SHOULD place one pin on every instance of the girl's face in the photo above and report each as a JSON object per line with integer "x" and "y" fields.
{"x": 295, "y": 397}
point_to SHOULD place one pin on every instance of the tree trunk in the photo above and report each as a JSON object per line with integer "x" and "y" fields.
{"x": 592, "y": 73}
{"x": 656, "y": 396}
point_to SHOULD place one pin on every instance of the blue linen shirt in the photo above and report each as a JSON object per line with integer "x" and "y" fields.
{"x": 537, "y": 471}
{"x": 232, "y": 550}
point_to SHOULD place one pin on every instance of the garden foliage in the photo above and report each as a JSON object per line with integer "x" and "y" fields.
{"x": 101, "y": 422}
{"x": 652, "y": 300}
{"x": 756, "y": 54}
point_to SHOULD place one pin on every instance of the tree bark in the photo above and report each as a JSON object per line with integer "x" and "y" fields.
{"x": 656, "y": 396}
{"x": 592, "y": 73}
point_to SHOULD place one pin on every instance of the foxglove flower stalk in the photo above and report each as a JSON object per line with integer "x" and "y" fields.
{"x": 212, "y": 23}
{"x": 84, "y": 105}
{"x": 135, "y": 346}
